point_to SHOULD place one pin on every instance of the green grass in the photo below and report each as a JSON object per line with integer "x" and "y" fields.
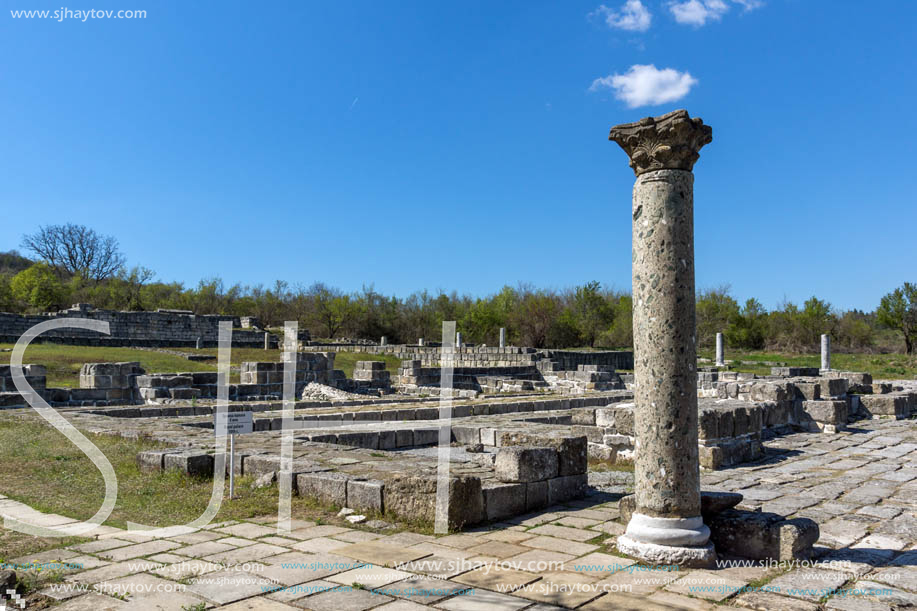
{"x": 39, "y": 467}
{"x": 881, "y": 366}
{"x": 64, "y": 362}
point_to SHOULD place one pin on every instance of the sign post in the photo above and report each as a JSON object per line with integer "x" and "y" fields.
{"x": 232, "y": 424}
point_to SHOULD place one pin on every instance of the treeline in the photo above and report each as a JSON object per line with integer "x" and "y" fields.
{"x": 76, "y": 265}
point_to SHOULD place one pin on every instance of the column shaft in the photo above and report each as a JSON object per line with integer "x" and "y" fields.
{"x": 667, "y": 472}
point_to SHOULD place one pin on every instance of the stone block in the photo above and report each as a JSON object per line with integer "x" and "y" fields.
{"x": 536, "y": 495}
{"x": 762, "y": 535}
{"x": 708, "y": 423}
{"x": 362, "y": 439}
{"x": 192, "y": 463}
{"x": 562, "y": 489}
{"x": 151, "y": 460}
{"x": 414, "y": 497}
{"x": 885, "y": 405}
{"x": 833, "y": 387}
{"x": 832, "y": 412}
{"x": 329, "y": 488}
{"x": 618, "y": 417}
{"x": 503, "y": 500}
{"x": 526, "y": 464}
{"x": 365, "y": 495}
{"x": 572, "y": 452}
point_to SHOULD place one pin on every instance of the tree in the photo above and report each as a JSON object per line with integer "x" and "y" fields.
{"x": 39, "y": 287}
{"x": 715, "y": 308}
{"x": 76, "y": 249}
{"x": 592, "y": 313}
{"x": 898, "y": 310}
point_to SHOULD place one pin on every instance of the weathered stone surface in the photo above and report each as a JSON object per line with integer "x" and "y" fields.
{"x": 572, "y": 452}
{"x": 762, "y": 535}
{"x": 567, "y": 487}
{"x": 503, "y": 500}
{"x": 328, "y": 488}
{"x": 523, "y": 464}
{"x": 365, "y": 495}
{"x": 670, "y": 141}
{"x": 885, "y": 405}
{"x": 192, "y": 463}
{"x": 415, "y": 497}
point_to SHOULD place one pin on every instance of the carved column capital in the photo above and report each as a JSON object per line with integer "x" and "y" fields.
{"x": 667, "y": 142}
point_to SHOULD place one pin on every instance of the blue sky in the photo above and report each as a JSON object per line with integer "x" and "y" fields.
{"x": 463, "y": 145}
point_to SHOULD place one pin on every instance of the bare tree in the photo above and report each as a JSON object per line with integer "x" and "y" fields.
{"x": 76, "y": 249}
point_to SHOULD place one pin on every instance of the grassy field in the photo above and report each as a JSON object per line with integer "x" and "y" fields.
{"x": 881, "y": 366}
{"x": 39, "y": 467}
{"x": 64, "y": 362}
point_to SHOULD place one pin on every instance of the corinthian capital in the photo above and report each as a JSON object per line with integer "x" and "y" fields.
{"x": 668, "y": 142}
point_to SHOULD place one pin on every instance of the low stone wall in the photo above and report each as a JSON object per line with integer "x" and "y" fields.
{"x": 163, "y": 328}
{"x": 489, "y": 356}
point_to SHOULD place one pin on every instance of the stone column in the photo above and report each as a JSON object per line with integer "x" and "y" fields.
{"x": 200, "y": 342}
{"x": 502, "y": 337}
{"x": 666, "y": 526}
{"x": 267, "y": 340}
{"x": 383, "y": 341}
{"x": 420, "y": 341}
{"x": 825, "y": 352}
{"x": 458, "y": 339}
{"x": 720, "y": 358}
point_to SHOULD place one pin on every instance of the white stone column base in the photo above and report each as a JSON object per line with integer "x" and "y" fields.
{"x": 702, "y": 557}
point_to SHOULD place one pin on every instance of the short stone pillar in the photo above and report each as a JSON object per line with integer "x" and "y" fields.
{"x": 666, "y": 527}
{"x": 420, "y": 341}
{"x": 383, "y": 341}
{"x": 267, "y": 340}
{"x": 458, "y": 339}
{"x": 503, "y": 337}
{"x": 720, "y": 358}
{"x": 199, "y": 343}
{"x": 825, "y": 352}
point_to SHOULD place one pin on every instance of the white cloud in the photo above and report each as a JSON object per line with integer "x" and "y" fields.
{"x": 645, "y": 85}
{"x": 698, "y": 12}
{"x": 750, "y": 5}
{"x": 631, "y": 16}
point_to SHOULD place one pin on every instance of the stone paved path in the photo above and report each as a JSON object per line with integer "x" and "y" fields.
{"x": 860, "y": 486}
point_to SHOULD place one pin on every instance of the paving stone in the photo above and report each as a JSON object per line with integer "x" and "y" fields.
{"x": 496, "y": 549}
{"x": 151, "y": 592}
{"x": 346, "y": 599}
{"x": 207, "y": 548}
{"x": 312, "y": 532}
{"x": 767, "y": 601}
{"x": 320, "y": 545}
{"x": 640, "y": 582}
{"x": 381, "y": 553}
{"x": 808, "y": 584}
{"x": 99, "y": 545}
{"x": 92, "y": 602}
{"x": 708, "y": 585}
{"x": 483, "y": 600}
{"x": 223, "y": 587}
{"x": 538, "y": 561}
{"x": 246, "y": 554}
{"x": 113, "y": 571}
{"x": 247, "y": 531}
{"x": 563, "y": 532}
{"x": 496, "y": 577}
{"x": 136, "y": 551}
{"x": 600, "y": 565}
{"x": 554, "y": 544}
{"x": 258, "y": 604}
{"x": 425, "y": 590}
{"x": 568, "y": 589}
